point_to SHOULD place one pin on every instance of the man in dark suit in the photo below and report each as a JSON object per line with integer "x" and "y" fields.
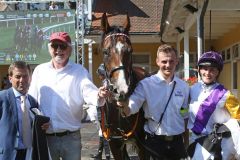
{"x": 12, "y": 144}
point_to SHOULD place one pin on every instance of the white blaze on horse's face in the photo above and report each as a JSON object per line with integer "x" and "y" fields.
{"x": 119, "y": 46}
{"x": 121, "y": 81}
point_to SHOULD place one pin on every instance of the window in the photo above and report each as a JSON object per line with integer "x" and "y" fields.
{"x": 235, "y": 75}
{"x": 142, "y": 60}
{"x": 235, "y": 49}
{"x": 223, "y": 55}
{"x": 228, "y": 54}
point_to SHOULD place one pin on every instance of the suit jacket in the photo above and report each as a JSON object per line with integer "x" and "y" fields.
{"x": 9, "y": 123}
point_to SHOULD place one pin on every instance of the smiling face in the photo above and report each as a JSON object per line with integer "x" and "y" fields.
{"x": 60, "y": 53}
{"x": 167, "y": 62}
{"x": 208, "y": 74}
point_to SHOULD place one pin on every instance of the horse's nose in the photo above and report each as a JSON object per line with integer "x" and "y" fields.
{"x": 122, "y": 96}
{"x": 123, "y": 89}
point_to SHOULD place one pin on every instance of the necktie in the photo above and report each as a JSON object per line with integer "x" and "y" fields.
{"x": 26, "y": 128}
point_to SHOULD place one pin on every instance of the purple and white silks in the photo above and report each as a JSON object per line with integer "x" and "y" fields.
{"x": 207, "y": 108}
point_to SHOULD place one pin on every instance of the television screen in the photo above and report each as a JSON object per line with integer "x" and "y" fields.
{"x": 25, "y": 33}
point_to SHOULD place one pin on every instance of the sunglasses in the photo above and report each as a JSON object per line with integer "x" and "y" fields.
{"x": 61, "y": 46}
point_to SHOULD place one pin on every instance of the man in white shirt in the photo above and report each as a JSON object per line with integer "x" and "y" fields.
{"x": 62, "y": 87}
{"x": 164, "y": 98}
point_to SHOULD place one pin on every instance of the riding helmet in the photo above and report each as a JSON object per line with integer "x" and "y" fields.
{"x": 211, "y": 58}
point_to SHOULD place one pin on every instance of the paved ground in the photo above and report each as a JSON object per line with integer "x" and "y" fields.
{"x": 89, "y": 135}
{"x": 90, "y": 142}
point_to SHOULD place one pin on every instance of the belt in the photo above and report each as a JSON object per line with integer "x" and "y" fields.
{"x": 164, "y": 137}
{"x": 60, "y": 134}
{"x": 21, "y": 150}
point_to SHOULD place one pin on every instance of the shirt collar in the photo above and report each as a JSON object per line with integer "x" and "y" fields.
{"x": 16, "y": 93}
{"x": 50, "y": 64}
{"x": 159, "y": 75}
{"x": 208, "y": 87}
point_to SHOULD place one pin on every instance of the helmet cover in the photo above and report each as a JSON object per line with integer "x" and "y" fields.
{"x": 212, "y": 59}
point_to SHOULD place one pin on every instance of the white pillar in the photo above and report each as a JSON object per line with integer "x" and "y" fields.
{"x": 199, "y": 41}
{"x": 89, "y": 10}
{"x": 90, "y": 62}
{"x": 186, "y": 54}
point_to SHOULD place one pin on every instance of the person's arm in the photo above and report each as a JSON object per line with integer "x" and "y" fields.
{"x": 92, "y": 113}
{"x": 134, "y": 102}
{"x": 232, "y": 105}
{"x": 33, "y": 91}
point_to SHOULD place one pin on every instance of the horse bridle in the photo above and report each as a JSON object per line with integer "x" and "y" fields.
{"x": 108, "y": 75}
{"x": 117, "y": 96}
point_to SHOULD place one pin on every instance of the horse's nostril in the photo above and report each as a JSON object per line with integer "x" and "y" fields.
{"x": 122, "y": 97}
{"x": 115, "y": 90}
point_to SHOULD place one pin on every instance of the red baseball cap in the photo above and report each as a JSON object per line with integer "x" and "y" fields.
{"x": 62, "y": 36}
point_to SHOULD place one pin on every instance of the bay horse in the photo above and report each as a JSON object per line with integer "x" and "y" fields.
{"x": 121, "y": 78}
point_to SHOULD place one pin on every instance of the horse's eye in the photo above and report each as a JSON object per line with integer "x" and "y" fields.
{"x": 105, "y": 52}
{"x": 127, "y": 50}
{"x": 130, "y": 50}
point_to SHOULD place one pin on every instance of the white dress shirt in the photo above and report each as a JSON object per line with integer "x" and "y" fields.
{"x": 20, "y": 144}
{"x": 152, "y": 93}
{"x": 61, "y": 94}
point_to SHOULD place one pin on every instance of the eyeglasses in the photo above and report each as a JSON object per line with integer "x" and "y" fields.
{"x": 61, "y": 46}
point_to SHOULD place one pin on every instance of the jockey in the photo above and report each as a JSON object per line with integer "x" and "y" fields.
{"x": 211, "y": 106}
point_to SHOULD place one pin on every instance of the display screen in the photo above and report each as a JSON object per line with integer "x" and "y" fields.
{"x": 24, "y": 35}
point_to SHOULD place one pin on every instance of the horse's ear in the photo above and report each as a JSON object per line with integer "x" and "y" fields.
{"x": 104, "y": 23}
{"x": 127, "y": 24}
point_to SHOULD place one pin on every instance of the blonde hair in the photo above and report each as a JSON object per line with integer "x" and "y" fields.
{"x": 166, "y": 48}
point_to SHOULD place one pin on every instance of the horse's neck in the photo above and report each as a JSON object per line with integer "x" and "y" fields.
{"x": 140, "y": 73}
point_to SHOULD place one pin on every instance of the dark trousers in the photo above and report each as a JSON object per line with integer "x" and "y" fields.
{"x": 21, "y": 154}
{"x": 165, "y": 148}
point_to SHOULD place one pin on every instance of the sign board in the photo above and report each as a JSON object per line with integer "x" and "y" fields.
{"x": 25, "y": 34}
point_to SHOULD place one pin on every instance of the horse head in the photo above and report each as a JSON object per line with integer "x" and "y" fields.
{"x": 117, "y": 57}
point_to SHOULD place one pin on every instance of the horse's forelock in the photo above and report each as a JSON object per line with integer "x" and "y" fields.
{"x": 116, "y": 29}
